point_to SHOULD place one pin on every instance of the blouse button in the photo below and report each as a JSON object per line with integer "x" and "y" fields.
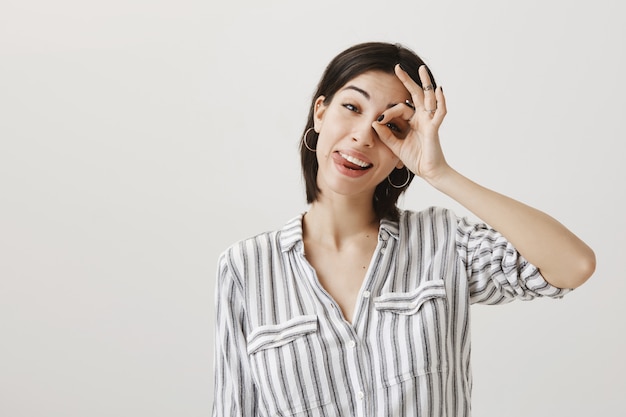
{"x": 366, "y": 294}
{"x": 360, "y": 395}
{"x": 352, "y": 343}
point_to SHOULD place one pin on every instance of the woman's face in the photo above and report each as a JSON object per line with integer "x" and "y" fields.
{"x": 352, "y": 159}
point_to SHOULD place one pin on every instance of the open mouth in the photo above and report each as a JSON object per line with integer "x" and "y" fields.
{"x": 354, "y": 163}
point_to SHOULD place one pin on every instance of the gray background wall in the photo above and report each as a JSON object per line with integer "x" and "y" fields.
{"x": 138, "y": 139}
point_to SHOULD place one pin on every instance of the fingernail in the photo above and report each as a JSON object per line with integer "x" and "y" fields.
{"x": 380, "y": 118}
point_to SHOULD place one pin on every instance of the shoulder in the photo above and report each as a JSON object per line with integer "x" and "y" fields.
{"x": 433, "y": 224}
{"x": 235, "y": 262}
{"x": 440, "y": 223}
{"x": 431, "y": 215}
{"x": 242, "y": 249}
{"x": 261, "y": 248}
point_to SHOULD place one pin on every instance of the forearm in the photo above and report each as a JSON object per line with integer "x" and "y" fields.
{"x": 564, "y": 260}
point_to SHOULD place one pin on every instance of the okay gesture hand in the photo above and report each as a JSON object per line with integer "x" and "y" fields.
{"x": 418, "y": 146}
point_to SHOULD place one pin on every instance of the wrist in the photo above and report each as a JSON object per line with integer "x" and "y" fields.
{"x": 441, "y": 178}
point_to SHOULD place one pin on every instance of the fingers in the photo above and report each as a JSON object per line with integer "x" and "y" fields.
{"x": 401, "y": 113}
{"x": 396, "y": 120}
{"x": 417, "y": 94}
{"x": 427, "y": 110}
{"x": 388, "y": 137}
{"x": 430, "y": 101}
{"x": 393, "y": 126}
{"x": 441, "y": 111}
{"x": 427, "y": 99}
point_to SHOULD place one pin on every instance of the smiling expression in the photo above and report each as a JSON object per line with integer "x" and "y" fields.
{"x": 351, "y": 157}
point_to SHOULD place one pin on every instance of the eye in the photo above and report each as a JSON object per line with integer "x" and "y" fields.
{"x": 394, "y": 127}
{"x": 351, "y": 107}
{"x": 399, "y": 127}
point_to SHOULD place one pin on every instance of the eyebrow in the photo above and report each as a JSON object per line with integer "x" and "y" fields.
{"x": 360, "y": 90}
{"x": 364, "y": 93}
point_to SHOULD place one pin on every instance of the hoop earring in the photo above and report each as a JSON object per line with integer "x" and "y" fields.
{"x": 408, "y": 178}
{"x": 305, "y": 137}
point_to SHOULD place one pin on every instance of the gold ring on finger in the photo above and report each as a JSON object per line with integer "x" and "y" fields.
{"x": 430, "y": 111}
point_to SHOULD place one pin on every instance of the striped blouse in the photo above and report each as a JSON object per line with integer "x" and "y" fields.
{"x": 283, "y": 347}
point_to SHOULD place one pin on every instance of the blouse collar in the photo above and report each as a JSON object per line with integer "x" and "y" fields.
{"x": 290, "y": 235}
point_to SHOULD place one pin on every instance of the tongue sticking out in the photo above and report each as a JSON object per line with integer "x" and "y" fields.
{"x": 351, "y": 162}
{"x": 350, "y": 165}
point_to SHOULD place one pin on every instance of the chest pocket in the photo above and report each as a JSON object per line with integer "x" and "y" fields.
{"x": 416, "y": 324}
{"x": 289, "y": 368}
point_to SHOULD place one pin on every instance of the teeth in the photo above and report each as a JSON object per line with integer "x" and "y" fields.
{"x": 354, "y": 160}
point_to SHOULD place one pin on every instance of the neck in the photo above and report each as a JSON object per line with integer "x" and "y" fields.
{"x": 335, "y": 223}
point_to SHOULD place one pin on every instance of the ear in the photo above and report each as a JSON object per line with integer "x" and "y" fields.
{"x": 400, "y": 164}
{"x": 318, "y": 113}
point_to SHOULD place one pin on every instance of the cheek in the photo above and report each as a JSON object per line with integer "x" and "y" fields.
{"x": 323, "y": 148}
{"x": 391, "y": 160}
{"x": 329, "y": 135}
{"x": 336, "y": 122}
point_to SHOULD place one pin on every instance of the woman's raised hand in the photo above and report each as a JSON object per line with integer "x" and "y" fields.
{"x": 418, "y": 147}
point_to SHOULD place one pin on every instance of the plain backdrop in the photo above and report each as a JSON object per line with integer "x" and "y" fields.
{"x": 139, "y": 139}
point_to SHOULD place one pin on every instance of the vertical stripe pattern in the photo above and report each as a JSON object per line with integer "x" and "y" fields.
{"x": 283, "y": 347}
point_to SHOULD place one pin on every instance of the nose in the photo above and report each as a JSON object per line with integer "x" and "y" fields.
{"x": 364, "y": 134}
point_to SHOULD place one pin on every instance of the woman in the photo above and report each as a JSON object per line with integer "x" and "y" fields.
{"x": 357, "y": 307}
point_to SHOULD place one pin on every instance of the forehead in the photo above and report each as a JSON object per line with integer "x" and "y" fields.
{"x": 377, "y": 85}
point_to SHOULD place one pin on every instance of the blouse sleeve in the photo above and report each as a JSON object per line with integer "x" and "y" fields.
{"x": 497, "y": 272}
{"x": 234, "y": 392}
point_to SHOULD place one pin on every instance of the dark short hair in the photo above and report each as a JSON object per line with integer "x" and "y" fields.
{"x": 354, "y": 61}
